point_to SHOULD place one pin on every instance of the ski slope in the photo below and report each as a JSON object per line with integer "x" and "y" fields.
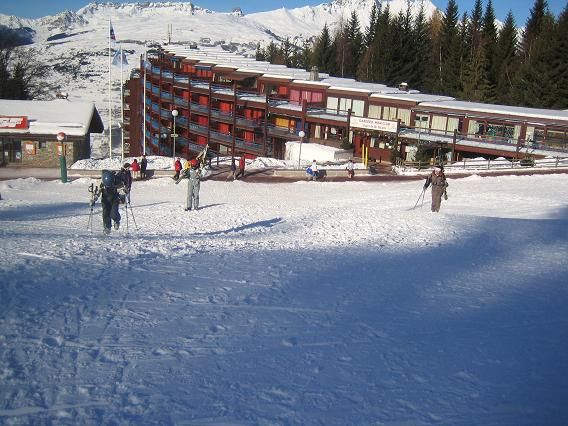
{"x": 286, "y": 304}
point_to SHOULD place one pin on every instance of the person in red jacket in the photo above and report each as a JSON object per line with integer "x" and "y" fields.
{"x": 177, "y": 168}
{"x": 135, "y": 168}
{"x": 241, "y": 171}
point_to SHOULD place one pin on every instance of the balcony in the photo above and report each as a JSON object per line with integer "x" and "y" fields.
{"x": 195, "y": 107}
{"x": 198, "y": 129}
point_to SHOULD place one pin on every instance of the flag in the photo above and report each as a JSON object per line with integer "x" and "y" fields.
{"x": 112, "y": 36}
{"x": 118, "y": 57}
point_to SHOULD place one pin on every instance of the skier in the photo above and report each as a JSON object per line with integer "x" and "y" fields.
{"x": 193, "y": 184}
{"x": 126, "y": 177}
{"x": 112, "y": 191}
{"x": 439, "y": 185}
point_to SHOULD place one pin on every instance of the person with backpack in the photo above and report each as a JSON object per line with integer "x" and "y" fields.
{"x": 112, "y": 191}
{"x": 439, "y": 184}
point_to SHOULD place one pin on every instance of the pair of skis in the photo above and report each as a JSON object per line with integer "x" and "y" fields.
{"x": 201, "y": 158}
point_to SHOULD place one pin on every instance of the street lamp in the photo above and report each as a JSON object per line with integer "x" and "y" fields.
{"x": 62, "y": 160}
{"x": 174, "y": 134}
{"x": 301, "y": 134}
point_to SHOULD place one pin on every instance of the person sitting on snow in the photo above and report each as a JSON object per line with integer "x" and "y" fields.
{"x": 312, "y": 171}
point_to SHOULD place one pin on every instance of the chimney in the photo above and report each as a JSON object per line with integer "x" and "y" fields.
{"x": 314, "y": 74}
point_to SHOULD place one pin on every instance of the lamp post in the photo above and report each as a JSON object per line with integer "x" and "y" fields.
{"x": 301, "y": 134}
{"x": 62, "y": 160}
{"x": 174, "y": 134}
{"x": 163, "y": 135}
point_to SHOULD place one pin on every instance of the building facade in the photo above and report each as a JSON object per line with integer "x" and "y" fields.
{"x": 38, "y": 133}
{"x": 183, "y": 98}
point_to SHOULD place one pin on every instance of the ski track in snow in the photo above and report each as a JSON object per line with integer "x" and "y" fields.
{"x": 283, "y": 304}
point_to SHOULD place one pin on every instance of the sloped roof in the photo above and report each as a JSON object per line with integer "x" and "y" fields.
{"x": 74, "y": 118}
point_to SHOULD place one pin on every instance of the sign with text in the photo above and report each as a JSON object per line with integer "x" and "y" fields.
{"x": 10, "y": 122}
{"x": 373, "y": 124}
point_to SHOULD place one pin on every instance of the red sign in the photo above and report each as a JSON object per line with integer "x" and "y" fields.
{"x": 7, "y": 122}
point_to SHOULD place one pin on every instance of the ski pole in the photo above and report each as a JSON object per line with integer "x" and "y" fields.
{"x": 133, "y": 220}
{"x": 90, "y": 222}
{"x": 421, "y": 194}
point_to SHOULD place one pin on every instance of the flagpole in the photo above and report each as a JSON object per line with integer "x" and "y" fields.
{"x": 109, "y": 89}
{"x": 121, "y": 107}
{"x": 144, "y": 111}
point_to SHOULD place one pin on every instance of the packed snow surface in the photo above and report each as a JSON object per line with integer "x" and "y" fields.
{"x": 303, "y": 303}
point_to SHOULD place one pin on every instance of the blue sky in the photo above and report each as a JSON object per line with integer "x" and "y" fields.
{"x": 39, "y": 8}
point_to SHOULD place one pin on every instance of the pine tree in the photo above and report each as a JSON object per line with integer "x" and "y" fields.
{"x": 450, "y": 51}
{"x": 533, "y": 28}
{"x": 259, "y": 54}
{"x": 534, "y": 84}
{"x": 506, "y": 59}
{"x": 354, "y": 44}
{"x": 489, "y": 34}
{"x": 421, "y": 50}
{"x": 433, "y": 81}
{"x": 323, "y": 52}
{"x": 559, "y": 63}
{"x": 370, "y": 30}
{"x": 381, "y": 51}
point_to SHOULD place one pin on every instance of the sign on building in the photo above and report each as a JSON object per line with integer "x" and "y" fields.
{"x": 12, "y": 122}
{"x": 373, "y": 124}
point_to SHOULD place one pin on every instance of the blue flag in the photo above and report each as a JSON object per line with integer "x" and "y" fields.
{"x": 118, "y": 57}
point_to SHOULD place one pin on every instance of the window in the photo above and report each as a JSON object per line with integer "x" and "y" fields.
{"x": 358, "y": 108}
{"x": 332, "y": 103}
{"x": 389, "y": 113}
{"x": 453, "y": 124}
{"x": 439, "y": 122}
{"x": 422, "y": 121}
{"x": 374, "y": 111}
{"x": 404, "y": 116}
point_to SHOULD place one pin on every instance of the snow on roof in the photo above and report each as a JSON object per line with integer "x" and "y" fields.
{"x": 412, "y": 96}
{"x": 50, "y": 117}
{"x": 549, "y": 114}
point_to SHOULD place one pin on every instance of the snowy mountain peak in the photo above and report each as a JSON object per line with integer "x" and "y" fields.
{"x": 134, "y": 8}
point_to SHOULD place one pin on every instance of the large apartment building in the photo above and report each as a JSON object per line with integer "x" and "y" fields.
{"x": 183, "y": 98}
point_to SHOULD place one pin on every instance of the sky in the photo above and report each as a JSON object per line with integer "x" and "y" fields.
{"x": 39, "y": 8}
{"x": 324, "y": 303}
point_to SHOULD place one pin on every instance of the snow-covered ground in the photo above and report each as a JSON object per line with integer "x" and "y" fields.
{"x": 286, "y": 304}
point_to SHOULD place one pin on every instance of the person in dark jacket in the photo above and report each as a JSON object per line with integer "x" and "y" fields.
{"x": 112, "y": 191}
{"x": 143, "y": 166}
{"x": 439, "y": 185}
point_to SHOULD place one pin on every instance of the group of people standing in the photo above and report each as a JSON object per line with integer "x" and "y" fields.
{"x": 233, "y": 173}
